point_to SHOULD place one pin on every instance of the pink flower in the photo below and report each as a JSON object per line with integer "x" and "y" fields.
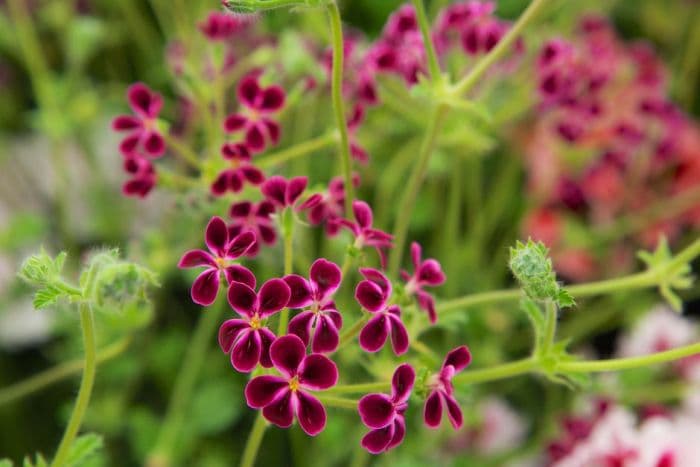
{"x": 442, "y": 391}
{"x": 331, "y": 206}
{"x": 384, "y": 415}
{"x": 365, "y": 234}
{"x": 283, "y": 398}
{"x": 285, "y": 193}
{"x": 373, "y": 294}
{"x": 425, "y": 273}
{"x": 248, "y": 340}
{"x": 256, "y": 120}
{"x": 319, "y": 324}
{"x": 256, "y": 218}
{"x": 241, "y": 170}
{"x": 142, "y": 176}
{"x": 222, "y": 249}
{"x": 142, "y": 129}
{"x": 221, "y": 26}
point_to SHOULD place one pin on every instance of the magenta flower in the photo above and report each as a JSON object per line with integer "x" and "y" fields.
{"x": 222, "y": 249}
{"x": 385, "y": 415}
{"x": 142, "y": 176}
{"x": 260, "y": 103}
{"x": 319, "y": 324}
{"x": 241, "y": 170}
{"x": 373, "y": 294}
{"x": 142, "y": 127}
{"x": 221, "y": 26}
{"x": 425, "y": 273}
{"x": 281, "y": 398}
{"x": 441, "y": 390}
{"x": 285, "y": 193}
{"x": 248, "y": 340}
{"x": 331, "y": 206}
{"x": 365, "y": 234}
{"x": 256, "y": 218}
{"x": 356, "y": 150}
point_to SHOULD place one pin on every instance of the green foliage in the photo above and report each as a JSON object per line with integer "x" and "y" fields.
{"x": 254, "y": 6}
{"x": 673, "y": 278}
{"x": 532, "y": 266}
{"x": 84, "y": 449}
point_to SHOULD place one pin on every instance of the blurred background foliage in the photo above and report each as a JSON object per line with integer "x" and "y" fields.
{"x": 60, "y": 187}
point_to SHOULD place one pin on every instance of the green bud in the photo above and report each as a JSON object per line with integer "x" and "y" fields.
{"x": 41, "y": 269}
{"x": 532, "y": 267}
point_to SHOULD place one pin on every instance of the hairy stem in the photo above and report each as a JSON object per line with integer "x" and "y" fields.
{"x": 497, "y": 372}
{"x": 250, "y": 452}
{"x": 631, "y": 362}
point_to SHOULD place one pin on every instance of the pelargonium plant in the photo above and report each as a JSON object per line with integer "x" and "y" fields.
{"x": 307, "y": 160}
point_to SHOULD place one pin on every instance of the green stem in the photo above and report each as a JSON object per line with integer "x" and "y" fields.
{"x": 476, "y": 73}
{"x": 339, "y": 402}
{"x": 338, "y": 105}
{"x": 494, "y": 373}
{"x": 46, "y": 378}
{"x": 405, "y": 208}
{"x": 360, "y": 388}
{"x": 350, "y": 334}
{"x": 632, "y": 362}
{"x": 182, "y": 150}
{"x": 298, "y": 150}
{"x": 550, "y": 328}
{"x": 185, "y": 383}
{"x": 424, "y": 24}
{"x": 288, "y": 258}
{"x": 87, "y": 325}
{"x": 250, "y": 452}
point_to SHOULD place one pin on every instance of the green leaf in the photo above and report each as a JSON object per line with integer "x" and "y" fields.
{"x": 6, "y": 463}
{"x": 84, "y": 448}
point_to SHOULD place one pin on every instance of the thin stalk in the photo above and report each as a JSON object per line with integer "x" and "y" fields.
{"x": 350, "y": 334}
{"x": 339, "y": 402}
{"x": 632, "y": 362}
{"x": 424, "y": 25}
{"x": 53, "y": 375}
{"x": 405, "y": 208}
{"x": 288, "y": 258}
{"x": 182, "y": 150}
{"x": 298, "y": 150}
{"x": 476, "y": 73}
{"x": 494, "y": 373}
{"x": 250, "y": 452}
{"x": 338, "y": 105}
{"x": 87, "y": 324}
{"x": 550, "y": 326}
{"x": 185, "y": 382}
{"x": 360, "y": 388}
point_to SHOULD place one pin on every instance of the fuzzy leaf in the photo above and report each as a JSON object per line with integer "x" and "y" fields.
{"x": 83, "y": 449}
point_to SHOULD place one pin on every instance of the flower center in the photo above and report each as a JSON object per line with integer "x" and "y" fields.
{"x": 294, "y": 384}
{"x": 255, "y": 322}
{"x": 220, "y": 262}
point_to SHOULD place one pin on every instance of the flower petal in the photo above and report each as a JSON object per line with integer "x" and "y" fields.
{"x": 454, "y": 412}
{"x": 240, "y": 210}
{"x": 374, "y": 334}
{"x": 229, "y": 331}
{"x": 317, "y": 372}
{"x": 427, "y": 303}
{"x": 311, "y": 414}
{"x": 274, "y": 189}
{"x": 326, "y": 337}
{"x": 245, "y": 354}
{"x": 126, "y": 122}
{"x": 249, "y": 91}
{"x": 377, "y": 441}
{"x": 267, "y": 233}
{"x": 287, "y": 353}
{"x": 459, "y": 358}
{"x": 267, "y": 337}
{"x": 154, "y": 144}
{"x": 273, "y": 295}
{"x": 432, "y": 411}
{"x": 272, "y": 99}
{"x": 280, "y": 412}
{"x": 262, "y": 390}
{"x": 363, "y": 214}
{"x": 399, "y": 432}
{"x": 216, "y": 236}
{"x": 378, "y": 278}
{"x": 240, "y": 244}
{"x": 370, "y": 296}
{"x": 254, "y": 137}
{"x": 206, "y": 287}
{"x": 243, "y": 299}
{"x": 273, "y": 130}
{"x": 295, "y": 187}
{"x": 402, "y": 383}
{"x": 235, "y": 122}
{"x": 325, "y": 276}
{"x": 416, "y": 254}
{"x": 254, "y": 175}
{"x": 376, "y": 410}
{"x": 300, "y": 326}
{"x": 196, "y": 258}
{"x": 399, "y": 335}
{"x": 431, "y": 273}
{"x": 238, "y": 273}
{"x": 300, "y": 291}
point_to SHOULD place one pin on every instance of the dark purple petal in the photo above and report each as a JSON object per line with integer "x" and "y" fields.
{"x": 240, "y": 244}
{"x": 267, "y": 337}
{"x": 300, "y": 326}
{"x": 235, "y": 151}
{"x": 416, "y": 254}
{"x": 274, "y": 189}
{"x": 300, "y": 291}
{"x": 245, "y": 354}
{"x": 311, "y": 414}
{"x": 243, "y": 299}
{"x": 426, "y": 302}
{"x": 377, "y": 441}
{"x": 238, "y": 273}
{"x": 295, "y": 187}
{"x": 274, "y": 295}
{"x": 374, "y": 334}
{"x": 402, "y": 383}
{"x": 221, "y": 183}
{"x": 330, "y": 311}
{"x": 254, "y": 175}
{"x": 325, "y": 277}
{"x": 262, "y": 390}
{"x": 459, "y": 358}
{"x": 399, "y": 432}
{"x": 265, "y": 209}
{"x": 312, "y": 202}
{"x": 273, "y": 130}
{"x": 399, "y": 335}
{"x": 249, "y": 91}
{"x": 363, "y": 214}
{"x": 432, "y": 411}
{"x": 370, "y": 296}
{"x": 431, "y": 273}
{"x": 267, "y": 233}
{"x": 240, "y": 210}
{"x": 229, "y": 331}
{"x": 128, "y": 144}
{"x": 254, "y": 137}
{"x": 235, "y": 123}
{"x": 287, "y": 353}
{"x": 326, "y": 337}
{"x": 143, "y": 101}
{"x": 454, "y": 412}
{"x": 196, "y": 258}
{"x": 281, "y": 411}
{"x": 378, "y": 278}
{"x": 376, "y": 410}
{"x": 317, "y": 372}
{"x": 216, "y": 236}
{"x": 126, "y": 122}
{"x": 154, "y": 144}
{"x": 235, "y": 182}
{"x": 272, "y": 99}
{"x": 206, "y": 287}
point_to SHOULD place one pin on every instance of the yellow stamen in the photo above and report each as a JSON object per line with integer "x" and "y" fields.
{"x": 255, "y": 322}
{"x": 294, "y": 384}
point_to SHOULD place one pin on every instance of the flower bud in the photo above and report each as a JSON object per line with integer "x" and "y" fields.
{"x": 532, "y": 266}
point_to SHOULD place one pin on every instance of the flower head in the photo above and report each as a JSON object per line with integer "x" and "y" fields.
{"x": 373, "y": 294}
{"x": 221, "y": 26}
{"x": 384, "y": 415}
{"x": 248, "y": 340}
{"x": 256, "y": 218}
{"x": 141, "y": 128}
{"x": 365, "y": 234}
{"x": 330, "y": 208}
{"x": 442, "y": 391}
{"x": 320, "y": 323}
{"x": 425, "y": 273}
{"x": 256, "y": 120}
{"x": 281, "y": 398}
{"x": 222, "y": 249}
{"x": 241, "y": 170}
{"x": 142, "y": 176}
{"x": 285, "y": 193}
